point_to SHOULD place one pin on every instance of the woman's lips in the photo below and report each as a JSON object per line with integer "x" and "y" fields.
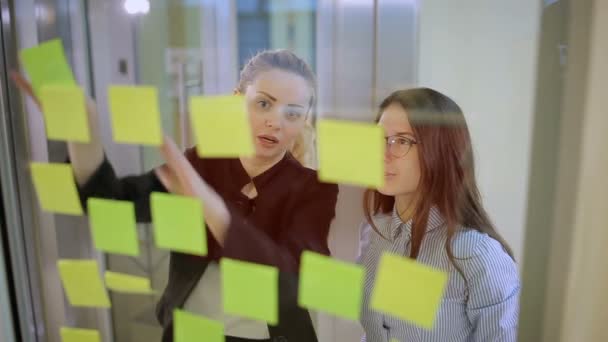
{"x": 267, "y": 140}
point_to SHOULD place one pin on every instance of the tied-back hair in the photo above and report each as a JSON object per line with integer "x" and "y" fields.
{"x": 288, "y": 61}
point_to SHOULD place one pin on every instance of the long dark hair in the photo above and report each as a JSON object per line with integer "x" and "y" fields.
{"x": 447, "y": 170}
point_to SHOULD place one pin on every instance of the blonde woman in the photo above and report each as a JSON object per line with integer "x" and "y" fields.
{"x": 265, "y": 209}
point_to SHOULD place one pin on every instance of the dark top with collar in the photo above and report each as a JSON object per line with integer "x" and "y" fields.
{"x": 291, "y": 213}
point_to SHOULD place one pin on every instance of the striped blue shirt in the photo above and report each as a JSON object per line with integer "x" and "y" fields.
{"x": 490, "y": 312}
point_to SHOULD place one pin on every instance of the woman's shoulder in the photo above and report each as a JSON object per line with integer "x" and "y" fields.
{"x": 367, "y": 232}
{"x": 293, "y": 166}
{"x": 305, "y": 178}
{"x": 470, "y": 243}
{"x": 491, "y": 273}
{"x": 484, "y": 259}
{"x": 378, "y": 220}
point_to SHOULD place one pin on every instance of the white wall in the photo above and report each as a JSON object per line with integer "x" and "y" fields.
{"x": 482, "y": 53}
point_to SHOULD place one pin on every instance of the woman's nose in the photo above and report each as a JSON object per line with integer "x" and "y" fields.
{"x": 388, "y": 157}
{"x": 273, "y": 119}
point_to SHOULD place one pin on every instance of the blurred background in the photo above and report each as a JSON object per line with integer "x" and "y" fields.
{"x": 530, "y": 75}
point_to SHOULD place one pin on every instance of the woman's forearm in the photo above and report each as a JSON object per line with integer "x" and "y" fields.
{"x": 87, "y": 157}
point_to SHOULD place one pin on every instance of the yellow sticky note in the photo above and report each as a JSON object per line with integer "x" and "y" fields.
{"x": 65, "y": 113}
{"x": 79, "y": 335}
{"x": 121, "y": 282}
{"x": 113, "y": 226}
{"x": 82, "y": 283}
{"x": 135, "y": 115}
{"x": 188, "y": 327}
{"x": 46, "y": 64}
{"x": 351, "y": 153}
{"x": 408, "y": 290}
{"x": 56, "y": 189}
{"x": 221, "y": 126}
{"x": 178, "y": 223}
{"x": 250, "y": 290}
{"x": 330, "y": 285}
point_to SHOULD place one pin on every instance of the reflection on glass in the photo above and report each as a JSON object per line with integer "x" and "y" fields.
{"x": 276, "y": 24}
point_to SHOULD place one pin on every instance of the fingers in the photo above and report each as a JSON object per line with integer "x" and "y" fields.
{"x": 167, "y": 178}
{"x": 180, "y": 166}
{"x": 186, "y": 178}
{"x": 25, "y": 86}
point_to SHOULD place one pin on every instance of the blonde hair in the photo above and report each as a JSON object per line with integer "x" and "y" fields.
{"x": 303, "y": 147}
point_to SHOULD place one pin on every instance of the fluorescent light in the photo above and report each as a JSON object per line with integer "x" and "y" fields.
{"x": 134, "y": 7}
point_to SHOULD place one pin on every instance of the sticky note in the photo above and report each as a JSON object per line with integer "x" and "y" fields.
{"x": 46, "y": 64}
{"x": 56, "y": 189}
{"x": 408, "y": 290}
{"x": 121, "y": 282}
{"x": 135, "y": 115}
{"x": 189, "y": 327}
{"x": 82, "y": 283}
{"x": 79, "y": 335}
{"x": 250, "y": 290}
{"x": 351, "y": 153}
{"x": 113, "y": 226}
{"x": 65, "y": 113}
{"x": 178, "y": 223}
{"x": 330, "y": 285}
{"x": 221, "y": 126}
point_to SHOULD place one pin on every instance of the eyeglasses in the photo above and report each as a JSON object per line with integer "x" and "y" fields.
{"x": 398, "y": 146}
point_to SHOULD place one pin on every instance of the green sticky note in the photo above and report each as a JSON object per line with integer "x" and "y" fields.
{"x": 178, "y": 223}
{"x": 408, "y": 290}
{"x": 82, "y": 283}
{"x": 221, "y": 126}
{"x": 330, "y": 285}
{"x": 351, "y": 153}
{"x": 135, "y": 115}
{"x": 79, "y": 335}
{"x": 188, "y": 327}
{"x": 65, "y": 113}
{"x": 113, "y": 226}
{"x": 46, "y": 64}
{"x": 250, "y": 290}
{"x": 56, "y": 189}
{"x": 121, "y": 282}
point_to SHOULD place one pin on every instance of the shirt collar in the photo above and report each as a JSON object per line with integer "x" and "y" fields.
{"x": 396, "y": 226}
{"x": 241, "y": 178}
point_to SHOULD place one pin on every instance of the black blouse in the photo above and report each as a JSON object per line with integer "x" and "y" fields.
{"x": 291, "y": 213}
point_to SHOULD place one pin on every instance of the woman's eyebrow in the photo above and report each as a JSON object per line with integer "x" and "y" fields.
{"x": 269, "y": 96}
{"x": 274, "y": 99}
{"x": 404, "y": 133}
{"x": 296, "y": 105}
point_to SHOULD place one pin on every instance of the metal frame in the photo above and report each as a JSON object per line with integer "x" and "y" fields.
{"x": 7, "y": 320}
{"x": 34, "y": 236}
{"x": 220, "y": 60}
{"x": 16, "y": 186}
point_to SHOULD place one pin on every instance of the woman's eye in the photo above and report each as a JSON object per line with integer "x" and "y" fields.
{"x": 263, "y": 104}
{"x": 292, "y": 116}
{"x": 401, "y": 141}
